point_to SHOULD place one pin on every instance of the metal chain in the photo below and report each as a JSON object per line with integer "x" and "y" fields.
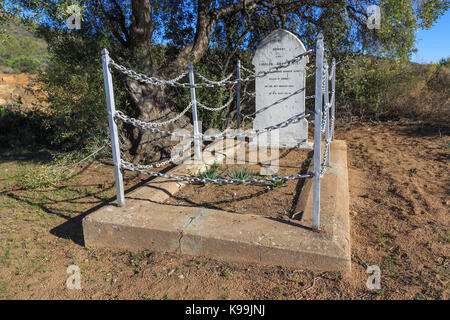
{"x": 332, "y": 113}
{"x": 217, "y": 83}
{"x": 155, "y": 81}
{"x": 131, "y": 167}
{"x": 143, "y": 125}
{"x": 146, "y": 79}
{"x": 121, "y": 115}
{"x": 247, "y": 70}
{"x": 163, "y": 123}
{"x": 149, "y": 126}
{"x": 163, "y": 163}
{"x": 325, "y": 117}
{"x": 174, "y": 82}
{"x": 256, "y": 132}
{"x": 326, "y": 155}
{"x": 324, "y": 76}
{"x": 250, "y": 94}
{"x": 201, "y": 105}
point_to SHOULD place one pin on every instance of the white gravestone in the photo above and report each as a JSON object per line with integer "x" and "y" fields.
{"x": 280, "y": 95}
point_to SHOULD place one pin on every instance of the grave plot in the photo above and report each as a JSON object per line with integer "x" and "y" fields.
{"x": 292, "y": 213}
{"x": 277, "y": 200}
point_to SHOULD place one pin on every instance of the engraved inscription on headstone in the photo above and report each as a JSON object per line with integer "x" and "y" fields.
{"x": 281, "y": 95}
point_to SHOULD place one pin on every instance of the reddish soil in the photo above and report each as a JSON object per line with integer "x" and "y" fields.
{"x": 399, "y": 198}
{"x": 21, "y": 89}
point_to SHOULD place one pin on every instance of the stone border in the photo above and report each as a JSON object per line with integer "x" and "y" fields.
{"x": 145, "y": 224}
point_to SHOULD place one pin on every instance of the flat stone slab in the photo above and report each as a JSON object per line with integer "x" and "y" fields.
{"x": 145, "y": 224}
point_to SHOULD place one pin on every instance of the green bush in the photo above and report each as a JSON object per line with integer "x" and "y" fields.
{"x": 73, "y": 82}
{"x": 21, "y": 49}
{"x": 24, "y": 64}
{"x": 22, "y": 128}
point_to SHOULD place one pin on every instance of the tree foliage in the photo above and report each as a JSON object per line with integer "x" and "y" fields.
{"x": 159, "y": 37}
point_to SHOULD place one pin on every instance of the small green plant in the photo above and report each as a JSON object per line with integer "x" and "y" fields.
{"x": 240, "y": 173}
{"x": 381, "y": 241}
{"x": 307, "y": 162}
{"x": 226, "y": 273}
{"x": 277, "y": 182}
{"x": 42, "y": 177}
{"x": 211, "y": 172}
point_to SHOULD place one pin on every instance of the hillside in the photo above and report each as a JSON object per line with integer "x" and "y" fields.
{"x": 21, "y": 50}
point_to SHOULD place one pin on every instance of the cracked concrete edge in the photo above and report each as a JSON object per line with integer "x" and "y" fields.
{"x": 180, "y": 241}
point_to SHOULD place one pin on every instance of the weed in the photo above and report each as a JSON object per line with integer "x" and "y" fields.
{"x": 211, "y": 172}
{"x": 278, "y": 182}
{"x": 381, "y": 241}
{"x": 307, "y": 162}
{"x": 412, "y": 171}
{"x": 226, "y": 273}
{"x": 240, "y": 173}
{"x": 41, "y": 177}
{"x": 136, "y": 259}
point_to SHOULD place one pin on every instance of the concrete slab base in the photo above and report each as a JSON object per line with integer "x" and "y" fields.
{"x": 145, "y": 224}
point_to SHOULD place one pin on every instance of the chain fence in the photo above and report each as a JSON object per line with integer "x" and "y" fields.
{"x": 324, "y": 123}
{"x": 153, "y": 126}
{"x": 208, "y": 83}
{"x": 268, "y": 180}
{"x": 201, "y": 105}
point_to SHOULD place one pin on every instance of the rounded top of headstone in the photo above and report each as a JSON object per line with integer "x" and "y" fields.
{"x": 279, "y": 38}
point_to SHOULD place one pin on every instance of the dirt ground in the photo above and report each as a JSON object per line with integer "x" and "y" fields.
{"x": 399, "y": 198}
{"x": 21, "y": 89}
{"x": 277, "y": 201}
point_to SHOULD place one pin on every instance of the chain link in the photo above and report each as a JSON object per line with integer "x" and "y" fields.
{"x": 216, "y": 83}
{"x": 209, "y": 84}
{"x": 144, "y": 125}
{"x": 149, "y": 126}
{"x": 256, "y": 132}
{"x": 326, "y": 156}
{"x": 201, "y": 105}
{"x": 122, "y": 116}
{"x": 163, "y": 163}
{"x": 131, "y": 167}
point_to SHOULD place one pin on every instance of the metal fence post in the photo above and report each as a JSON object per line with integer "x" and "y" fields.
{"x": 113, "y": 127}
{"x": 317, "y": 132}
{"x": 197, "y": 142}
{"x": 238, "y": 94}
{"x": 326, "y": 102}
{"x": 333, "y": 88}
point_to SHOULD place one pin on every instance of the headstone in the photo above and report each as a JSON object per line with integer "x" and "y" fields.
{"x": 280, "y": 95}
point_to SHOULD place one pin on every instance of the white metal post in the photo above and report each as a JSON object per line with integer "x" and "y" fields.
{"x": 197, "y": 141}
{"x": 317, "y": 132}
{"x": 326, "y": 101}
{"x": 333, "y": 89}
{"x": 113, "y": 127}
{"x": 238, "y": 94}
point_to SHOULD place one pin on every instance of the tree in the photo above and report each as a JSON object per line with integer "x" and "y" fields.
{"x": 159, "y": 37}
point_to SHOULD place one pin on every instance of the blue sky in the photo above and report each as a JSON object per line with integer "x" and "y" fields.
{"x": 434, "y": 43}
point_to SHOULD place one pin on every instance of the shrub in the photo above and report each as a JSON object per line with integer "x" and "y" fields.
{"x": 24, "y": 64}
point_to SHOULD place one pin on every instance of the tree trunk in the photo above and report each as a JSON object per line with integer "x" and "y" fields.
{"x": 151, "y": 102}
{"x": 152, "y": 106}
